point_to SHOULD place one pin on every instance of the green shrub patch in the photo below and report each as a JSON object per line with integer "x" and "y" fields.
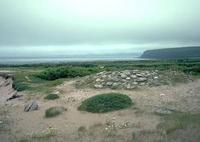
{"x": 66, "y": 72}
{"x": 51, "y": 97}
{"x": 106, "y": 103}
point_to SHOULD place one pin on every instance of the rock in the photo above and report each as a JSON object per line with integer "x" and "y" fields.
{"x": 161, "y": 110}
{"x": 128, "y": 86}
{"x": 133, "y": 76}
{"x": 98, "y": 86}
{"x": 115, "y": 85}
{"x": 141, "y": 79}
{"x": 156, "y": 77}
{"x": 139, "y": 75}
{"x": 128, "y": 78}
{"x": 109, "y": 83}
{"x": 123, "y": 76}
{"x": 31, "y": 106}
{"x": 127, "y": 72}
{"x": 142, "y": 84}
{"x": 162, "y": 95}
{"x": 98, "y": 80}
{"x": 115, "y": 79}
{"x": 124, "y": 125}
{"x": 135, "y": 83}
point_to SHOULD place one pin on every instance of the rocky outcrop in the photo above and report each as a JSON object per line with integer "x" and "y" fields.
{"x": 127, "y": 79}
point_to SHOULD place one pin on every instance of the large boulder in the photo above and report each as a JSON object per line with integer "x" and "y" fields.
{"x": 31, "y": 106}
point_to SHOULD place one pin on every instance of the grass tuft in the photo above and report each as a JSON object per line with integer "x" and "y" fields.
{"x": 54, "y": 111}
{"x": 176, "y": 121}
{"x": 51, "y": 97}
{"x": 106, "y": 103}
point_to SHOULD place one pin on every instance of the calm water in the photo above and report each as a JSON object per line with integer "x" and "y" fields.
{"x": 34, "y": 60}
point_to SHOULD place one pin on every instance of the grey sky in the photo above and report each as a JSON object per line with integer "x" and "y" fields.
{"x": 94, "y": 24}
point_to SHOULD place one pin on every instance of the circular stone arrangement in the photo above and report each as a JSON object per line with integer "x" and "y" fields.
{"x": 127, "y": 79}
{"x": 106, "y": 103}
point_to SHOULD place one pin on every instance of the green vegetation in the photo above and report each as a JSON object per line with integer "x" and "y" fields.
{"x": 106, "y": 103}
{"x": 19, "y": 85}
{"x": 66, "y": 72}
{"x": 51, "y": 97}
{"x": 176, "y": 121}
{"x": 42, "y": 78}
{"x": 26, "y": 80}
{"x": 54, "y": 111}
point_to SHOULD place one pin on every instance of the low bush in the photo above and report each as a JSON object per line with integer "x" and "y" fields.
{"x": 66, "y": 72}
{"x": 51, "y": 97}
{"x": 19, "y": 86}
{"x": 54, "y": 111}
{"x": 106, "y": 103}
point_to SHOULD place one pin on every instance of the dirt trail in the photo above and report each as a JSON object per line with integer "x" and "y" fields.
{"x": 182, "y": 97}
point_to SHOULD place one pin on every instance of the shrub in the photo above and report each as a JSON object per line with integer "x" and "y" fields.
{"x": 54, "y": 111}
{"x": 105, "y": 103}
{"x": 19, "y": 86}
{"x": 66, "y": 72}
{"x": 51, "y": 97}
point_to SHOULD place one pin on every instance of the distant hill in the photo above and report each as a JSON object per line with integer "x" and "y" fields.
{"x": 173, "y": 53}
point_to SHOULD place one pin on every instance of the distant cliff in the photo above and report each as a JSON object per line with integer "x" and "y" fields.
{"x": 172, "y": 53}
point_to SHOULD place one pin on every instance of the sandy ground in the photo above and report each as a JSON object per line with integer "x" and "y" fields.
{"x": 139, "y": 118}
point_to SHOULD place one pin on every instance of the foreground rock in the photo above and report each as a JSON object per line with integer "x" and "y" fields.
{"x": 31, "y": 106}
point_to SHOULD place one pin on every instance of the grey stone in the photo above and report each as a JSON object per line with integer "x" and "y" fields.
{"x": 128, "y": 86}
{"x": 142, "y": 84}
{"x": 127, "y": 72}
{"x": 115, "y": 85}
{"x": 133, "y": 76}
{"x": 99, "y": 86}
{"x": 156, "y": 77}
{"x": 109, "y": 83}
{"x": 141, "y": 79}
{"x": 161, "y": 110}
{"x": 139, "y": 75}
{"x": 31, "y": 106}
{"x": 123, "y": 76}
{"x": 98, "y": 80}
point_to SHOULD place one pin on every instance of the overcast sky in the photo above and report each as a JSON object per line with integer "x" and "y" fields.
{"x": 98, "y": 25}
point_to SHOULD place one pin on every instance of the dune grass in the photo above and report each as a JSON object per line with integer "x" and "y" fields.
{"x": 179, "y": 120}
{"x": 106, "y": 103}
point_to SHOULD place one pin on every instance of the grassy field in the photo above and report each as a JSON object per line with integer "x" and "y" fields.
{"x": 47, "y": 76}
